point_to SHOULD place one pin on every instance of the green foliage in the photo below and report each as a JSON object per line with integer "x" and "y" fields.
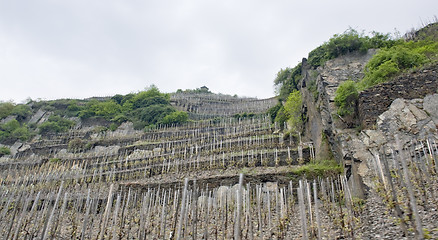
{"x": 177, "y": 117}
{"x": 73, "y": 109}
{"x": 114, "y": 126}
{"x": 154, "y": 113}
{"x": 4, "y": 151}
{"x": 143, "y": 109}
{"x": 273, "y": 111}
{"x": 119, "y": 119}
{"x": 346, "y": 98}
{"x": 287, "y": 80}
{"x": 324, "y": 168}
{"x": 243, "y": 115}
{"x": 282, "y": 116}
{"x": 6, "y": 109}
{"x": 106, "y": 109}
{"x": 12, "y": 131}
{"x": 202, "y": 89}
{"x": 21, "y": 112}
{"x": 396, "y": 59}
{"x": 150, "y": 97}
{"x": 55, "y": 160}
{"x": 293, "y": 109}
{"x": 349, "y": 41}
{"x": 21, "y": 133}
{"x": 55, "y": 124}
{"x": 10, "y": 126}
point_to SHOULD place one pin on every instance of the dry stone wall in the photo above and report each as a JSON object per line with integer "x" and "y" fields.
{"x": 376, "y": 100}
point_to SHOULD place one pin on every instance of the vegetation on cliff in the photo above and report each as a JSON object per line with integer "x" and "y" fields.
{"x": 395, "y": 56}
{"x": 347, "y": 42}
{"x": 145, "y": 108}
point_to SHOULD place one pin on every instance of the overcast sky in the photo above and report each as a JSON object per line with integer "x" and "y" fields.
{"x": 77, "y": 49}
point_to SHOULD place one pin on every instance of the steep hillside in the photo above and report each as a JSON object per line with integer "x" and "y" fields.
{"x": 348, "y": 150}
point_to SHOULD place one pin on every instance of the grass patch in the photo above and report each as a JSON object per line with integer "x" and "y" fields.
{"x": 323, "y": 168}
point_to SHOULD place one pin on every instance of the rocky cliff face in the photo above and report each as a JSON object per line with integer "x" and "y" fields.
{"x": 318, "y": 87}
{"x": 406, "y": 106}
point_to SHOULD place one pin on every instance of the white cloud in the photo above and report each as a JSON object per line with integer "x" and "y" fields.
{"x": 77, "y": 49}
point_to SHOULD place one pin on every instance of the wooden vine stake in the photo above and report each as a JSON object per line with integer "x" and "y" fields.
{"x": 302, "y": 211}
{"x": 183, "y": 208}
{"x": 412, "y": 200}
{"x": 318, "y": 221}
{"x": 237, "y": 230}
{"x": 107, "y": 212}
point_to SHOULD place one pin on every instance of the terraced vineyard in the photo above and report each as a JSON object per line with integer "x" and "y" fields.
{"x": 210, "y": 179}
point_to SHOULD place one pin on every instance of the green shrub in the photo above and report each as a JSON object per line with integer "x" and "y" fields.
{"x": 293, "y": 108}
{"x": 346, "y": 98}
{"x": 349, "y": 41}
{"x": 281, "y": 116}
{"x": 177, "y": 117}
{"x": 12, "y": 131}
{"x": 106, "y": 109}
{"x": 10, "y": 126}
{"x": 243, "y": 115}
{"x": 55, "y": 124}
{"x": 150, "y": 97}
{"x": 21, "y": 112}
{"x": 21, "y": 133}
{"x": 273, "y": 111}
{"x": 4, "y": 151}
{"x": 119, "y": 119}
{"x": 324, "y": 168}
{"x": 154, "y": 113}
{"x": 391, "y": 61}
{"x": 6, "y": 109}
{"x": 139, "y": 125}
{"x": 287, "y": 80}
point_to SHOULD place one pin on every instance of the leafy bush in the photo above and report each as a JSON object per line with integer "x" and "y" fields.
{"x": 282, "y": 116}
{"x": 4, "y": 151}
{"x": 349, "y": 41}
{"x": 106, "y": 109}
{"x": 177, "y": 117}
{"x": 273, "y": 111}
{"x": 293, "y": 108}
{"x": 286, "y": 81}
{"x": 346, "y": 98}
{"x": 243, "y": 115}
{"x": 150, "y": 97}
{"x": 391, "y": 61}
{"x": 21, "y": 133}
{"x": 10, "y": 126}
{"x": 12, "y": 131}
{"x": 119, "y": 119}
{"x": 55, "y": 124}
{"x": 6, "y": 109}
{"x": 21, "y": 112}
{"x": 153, "y": 114}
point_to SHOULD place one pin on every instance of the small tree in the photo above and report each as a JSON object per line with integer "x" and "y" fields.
{"x": 293, "y": 109}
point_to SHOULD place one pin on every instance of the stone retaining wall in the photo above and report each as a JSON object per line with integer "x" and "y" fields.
{"x": 376, "y": 100}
